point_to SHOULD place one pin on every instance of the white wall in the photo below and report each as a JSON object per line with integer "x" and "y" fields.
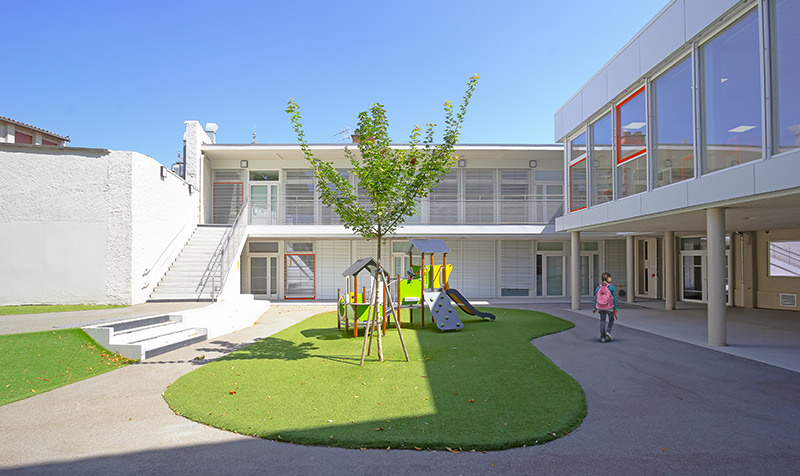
{"x": 82, "y": 225}
{"x": 163, "y": 217}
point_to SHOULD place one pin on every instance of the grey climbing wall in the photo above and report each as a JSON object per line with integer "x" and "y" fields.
{"x": 443, "y": 312}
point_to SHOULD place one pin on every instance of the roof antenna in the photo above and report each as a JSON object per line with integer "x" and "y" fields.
{"x": 254, "y": 134}
{"x": 345, "y": 133}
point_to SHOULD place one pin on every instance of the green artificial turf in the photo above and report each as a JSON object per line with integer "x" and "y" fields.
{"x": 11, "y": 310}
{"x": 36, "y": 362}
{"x": 483, "y": 388}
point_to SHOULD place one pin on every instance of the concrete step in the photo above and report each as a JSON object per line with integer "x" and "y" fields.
{"x": 146, "y": 337}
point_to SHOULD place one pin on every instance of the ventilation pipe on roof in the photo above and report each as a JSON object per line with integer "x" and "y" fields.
{"x": 211, "y": 131}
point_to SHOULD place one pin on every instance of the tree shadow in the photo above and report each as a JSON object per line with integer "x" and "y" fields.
{"x": 325, "y": 334}
{"x": 274, "y": 349}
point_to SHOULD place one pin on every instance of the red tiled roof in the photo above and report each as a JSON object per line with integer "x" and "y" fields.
{"x": 39, "y": 129}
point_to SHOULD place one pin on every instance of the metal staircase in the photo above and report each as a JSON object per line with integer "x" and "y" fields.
{"x": 192, "y": 276}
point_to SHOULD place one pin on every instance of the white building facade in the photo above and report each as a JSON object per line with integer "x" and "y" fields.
{"x": 688, "y": 143}
{"x": 495, "y": 210}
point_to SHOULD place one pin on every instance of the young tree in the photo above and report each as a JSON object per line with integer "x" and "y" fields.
{"x": 393, "y": 179}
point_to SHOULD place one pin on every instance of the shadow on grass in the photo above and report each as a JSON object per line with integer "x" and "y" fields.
{"x": 273, "y": 348}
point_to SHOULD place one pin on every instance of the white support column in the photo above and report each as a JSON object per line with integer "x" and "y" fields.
{"x": 669, "y": 270}
{"x": 715, "y": 235}
{"x": 630, "y": 268}
{"x": 575, "y": 269}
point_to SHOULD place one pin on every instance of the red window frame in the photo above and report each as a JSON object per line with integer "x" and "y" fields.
{"x": 618, "y": 134}
{"x": 570, "y": 187}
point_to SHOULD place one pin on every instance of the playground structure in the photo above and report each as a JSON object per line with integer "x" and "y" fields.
{"x": 374, "y": 313}
{"x": 427, "y": 287}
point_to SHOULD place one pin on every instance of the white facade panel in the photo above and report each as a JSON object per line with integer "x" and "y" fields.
{"x": 479, "y": 269}
{"x": 626, "y": 208}
{"x": 595, "y": 93}
{"x": 665, "y": 35}
{"x": 698, "y": 15}
{"x": 665, "y": 198}
{"x": 598, "y": 214}
{"x": 777, "y": 173}
{"x": 572, "y": 114}
{"x": 623, "y": 71}
{"x": 724, "y": 185}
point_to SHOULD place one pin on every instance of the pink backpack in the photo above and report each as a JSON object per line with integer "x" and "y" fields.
{"x": 605, "y": 300}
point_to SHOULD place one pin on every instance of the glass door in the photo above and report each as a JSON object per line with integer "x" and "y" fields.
{"x": 693, "y": 277}
{"x": 263, "y": 276}
{"x": 264, "y": 204}
{"x": 549, "y": 275}
{"x": 590, "y": 269}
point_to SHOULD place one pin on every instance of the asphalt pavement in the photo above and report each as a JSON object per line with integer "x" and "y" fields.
{"x": 656, "y": 405}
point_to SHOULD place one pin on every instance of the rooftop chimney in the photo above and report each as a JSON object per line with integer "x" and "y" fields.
{"x": 211, "y": 131}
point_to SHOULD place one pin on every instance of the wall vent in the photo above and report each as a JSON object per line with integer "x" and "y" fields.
{"x": 788, "y": 300}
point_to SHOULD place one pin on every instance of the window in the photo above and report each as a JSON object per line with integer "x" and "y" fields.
{"x": 443, "y": 200}
{"x": 263, "y": 247}
{"x": 786, "y": 70}
{"x": 299, "y": 197}
{"x": 23, "y": 138}
{"x": 784, "y": 258}
{"x": 632, "y": 144}
{"x": 479, "y": 196}
{"x": 731, "y": 96}
{"x": 516, "y": 270}
{"x": 578, "y": 193}
{"x": 514, "y": 189}
{"x": 673, "y": 130}
{"x": 602, "y": 160}
{"x": 264, "y": 175}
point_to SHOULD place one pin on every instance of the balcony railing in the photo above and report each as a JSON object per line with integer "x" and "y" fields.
{"x": 505, "y": 210}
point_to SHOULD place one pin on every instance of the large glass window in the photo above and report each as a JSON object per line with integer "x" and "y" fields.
{"x": 673, "y": 130}
{"x": 632, "y": 144}
{"x": 578, "y": 193}
{"x": 731, "y": 82}
{"x": 602, "y": 160}
{"x": 786, "y": 71}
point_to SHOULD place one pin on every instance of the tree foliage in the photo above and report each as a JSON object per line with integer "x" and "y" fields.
{"x": 391, "y": 178}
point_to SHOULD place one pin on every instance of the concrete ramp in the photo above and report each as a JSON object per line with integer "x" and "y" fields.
{"x": 442, "y": 310}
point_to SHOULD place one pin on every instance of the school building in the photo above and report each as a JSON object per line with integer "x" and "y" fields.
{"x": 687, "y": 143}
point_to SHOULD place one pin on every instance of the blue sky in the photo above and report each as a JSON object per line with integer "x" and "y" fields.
{"x": 126, "y": 75}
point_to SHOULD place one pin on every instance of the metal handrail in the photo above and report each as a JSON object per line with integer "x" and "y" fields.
{"x": 224, "y": 253}
{"x": 501, "y": 209}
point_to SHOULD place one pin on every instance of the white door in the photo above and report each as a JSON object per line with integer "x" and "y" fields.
{"x": 264, "y": 204}
{"x": 264, "y": 276}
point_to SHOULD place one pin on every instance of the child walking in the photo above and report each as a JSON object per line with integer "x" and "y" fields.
{"x": 605, "y": 302}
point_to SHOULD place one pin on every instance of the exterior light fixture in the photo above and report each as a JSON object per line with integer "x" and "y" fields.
{"x": 190, "y": 189}
{"x": 163, "y": 172}
{"x": 243, "y": 164}
{"x": 462, "y": 162}
{"x": 532, "y": 164}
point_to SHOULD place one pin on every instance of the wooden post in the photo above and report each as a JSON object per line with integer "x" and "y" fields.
{"x": 422, "y": 291}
